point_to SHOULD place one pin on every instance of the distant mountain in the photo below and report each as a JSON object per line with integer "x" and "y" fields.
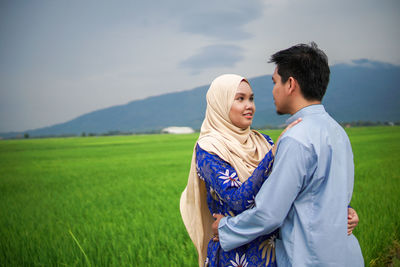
{"x": 361, "y": 91}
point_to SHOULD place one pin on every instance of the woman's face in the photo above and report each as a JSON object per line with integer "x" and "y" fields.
{"x": 243, "y": 108}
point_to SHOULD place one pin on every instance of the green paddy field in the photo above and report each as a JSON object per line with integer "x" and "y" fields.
{"x": 114, "y": 201}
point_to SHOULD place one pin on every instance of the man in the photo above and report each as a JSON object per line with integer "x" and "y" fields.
{"x": 310, "y": 187}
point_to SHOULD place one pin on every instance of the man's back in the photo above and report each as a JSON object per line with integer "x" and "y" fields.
{"x": 315, "y": 230}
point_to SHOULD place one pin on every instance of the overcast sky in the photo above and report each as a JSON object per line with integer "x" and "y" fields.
{"x": 61, "y": 59}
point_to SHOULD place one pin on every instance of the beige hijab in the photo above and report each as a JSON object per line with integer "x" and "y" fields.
{"x": 242, "y": 148}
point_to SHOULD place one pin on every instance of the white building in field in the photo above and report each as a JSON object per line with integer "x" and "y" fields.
{"x": 177, "y": 130}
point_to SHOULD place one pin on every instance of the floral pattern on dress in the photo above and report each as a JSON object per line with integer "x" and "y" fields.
{"x": 251, "y": 203}
{"x": 268, "y": 249}
{"x": 239, "y": 262}
{"x": 232, "y": 178}
{"x": 228, "y": 196}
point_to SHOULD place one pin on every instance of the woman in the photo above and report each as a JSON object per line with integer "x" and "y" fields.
{"x": 229, "y": 164}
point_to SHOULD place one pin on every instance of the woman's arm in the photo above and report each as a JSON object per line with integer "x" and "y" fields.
{"x": 224, "y": 183}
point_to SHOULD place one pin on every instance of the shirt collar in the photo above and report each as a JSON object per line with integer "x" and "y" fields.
{"x": 312, "y": 109}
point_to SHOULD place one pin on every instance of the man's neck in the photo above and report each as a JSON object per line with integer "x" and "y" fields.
{"x": 302, "y": 104}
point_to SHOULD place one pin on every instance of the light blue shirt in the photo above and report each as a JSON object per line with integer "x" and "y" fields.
{"x": 306, "y": 196}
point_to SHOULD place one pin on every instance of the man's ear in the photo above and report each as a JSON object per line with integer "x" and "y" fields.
{"x": 293, "y": 85}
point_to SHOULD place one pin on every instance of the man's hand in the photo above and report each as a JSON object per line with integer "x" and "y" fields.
{"x": 352, "y": 220}
{"x": 217, "y": 217}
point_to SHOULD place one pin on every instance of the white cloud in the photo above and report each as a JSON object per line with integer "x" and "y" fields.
{"x": 213, "y": 56}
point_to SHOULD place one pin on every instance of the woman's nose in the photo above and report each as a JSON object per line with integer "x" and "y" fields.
{"x": 249, "y": 105}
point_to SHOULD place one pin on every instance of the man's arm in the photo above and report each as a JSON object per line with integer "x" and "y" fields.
{"x": 274, "y": 200}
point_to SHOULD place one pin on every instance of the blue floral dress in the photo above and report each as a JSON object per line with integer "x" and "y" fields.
{"x": 228, "y": 196}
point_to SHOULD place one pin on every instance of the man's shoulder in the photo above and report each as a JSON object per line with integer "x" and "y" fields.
{"x": 300, "y": 131}
{"x": 313, "y": 128}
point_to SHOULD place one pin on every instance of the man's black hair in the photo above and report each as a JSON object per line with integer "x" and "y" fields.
{"x": 308, "y": 65}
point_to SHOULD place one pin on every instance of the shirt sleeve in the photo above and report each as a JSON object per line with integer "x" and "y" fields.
{"x": 273, "y": 201}
{"x": 224, "y": 183}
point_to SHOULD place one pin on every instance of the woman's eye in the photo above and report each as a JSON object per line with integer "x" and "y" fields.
{"x": 240, "y": 98}
{"x": 252, "y": 98}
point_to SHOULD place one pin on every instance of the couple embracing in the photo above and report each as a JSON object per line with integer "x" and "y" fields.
{"x": 283, "y": 204}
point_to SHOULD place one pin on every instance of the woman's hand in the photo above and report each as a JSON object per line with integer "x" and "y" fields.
{"x": 215, "y": 225}
{"x": 287, "y": 128}
{"x": 352, "y": 220}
